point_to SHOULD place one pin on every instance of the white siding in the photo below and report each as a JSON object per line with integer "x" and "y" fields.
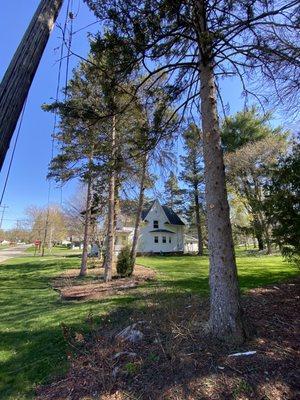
{"x": 146, "y": 239}
{"x": 190, "y": 247}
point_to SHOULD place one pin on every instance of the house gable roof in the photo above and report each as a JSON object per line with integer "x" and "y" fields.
{"x": 146, "y": 210}
{"x": 170, "y": 214}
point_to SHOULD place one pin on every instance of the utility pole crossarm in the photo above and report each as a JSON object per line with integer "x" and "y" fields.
{"x": 18, "y": 78}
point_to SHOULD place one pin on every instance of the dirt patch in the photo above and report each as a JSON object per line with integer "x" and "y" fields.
{"x": 71, "y": 287}
{"x": 175, "y": 360}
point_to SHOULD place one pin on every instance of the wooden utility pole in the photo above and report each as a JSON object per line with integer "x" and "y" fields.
{"x": 21, "y": 71}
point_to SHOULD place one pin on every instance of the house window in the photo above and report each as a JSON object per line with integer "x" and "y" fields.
{"x": 155, "y": 224}
{"x": 155, "y": 239}
{"x": 170, "y": 239}
{"x": 164, "y": 239}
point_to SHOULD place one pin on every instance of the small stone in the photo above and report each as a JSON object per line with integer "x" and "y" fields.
{"x": 131, "y": 334}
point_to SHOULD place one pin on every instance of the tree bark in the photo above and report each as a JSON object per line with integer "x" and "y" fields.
{"x": 87, "y": 220}
{"x": 225, "y": 320}
{"x": 139, "y": 211}
{"x": 260, "y": 241}
{"x": 110, "y": 240}
{"x": 268, "y": 240}
{"x": 198, "y": 222}
{"x": 258, "y": 233}
{"x": 45, "y": 232}
{"x": 50, "y": 238}
{"x": 17, "y": 80}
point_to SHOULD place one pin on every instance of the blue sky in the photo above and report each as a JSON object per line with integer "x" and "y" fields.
{"x": 27, "y": 182}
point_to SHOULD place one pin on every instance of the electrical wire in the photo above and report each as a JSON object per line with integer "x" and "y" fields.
{"x": 13, "y": 153}
{"x": 55, "y": 119}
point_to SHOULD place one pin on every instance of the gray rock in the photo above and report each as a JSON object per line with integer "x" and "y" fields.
{"x": 131, "y": 333}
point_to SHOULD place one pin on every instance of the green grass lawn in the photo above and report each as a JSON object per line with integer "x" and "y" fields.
{"x": 32, "y": 348}
{"x": 191, "y": 272}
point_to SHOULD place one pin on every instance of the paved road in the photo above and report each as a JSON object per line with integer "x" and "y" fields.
{"x": 13, "y": 252}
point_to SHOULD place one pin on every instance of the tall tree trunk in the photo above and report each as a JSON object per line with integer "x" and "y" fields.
{"x": 50, "y": 238}
{"x": 87, "y": 220}
{"x": 198, "y": 221}
{"x": 260, "y": 241}
{"x": 268, "y": 240}
{"x": 117, "y": 200}
{"x": 139, "y": 211}
{"x": 21, "y": 71}
{"x": 225, "y": 311}
{"x": 110, "y": 240}
{"x": 45, "y": 232}
{"x": 258, "y": 232}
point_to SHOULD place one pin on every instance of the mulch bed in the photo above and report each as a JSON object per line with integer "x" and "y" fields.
{"x": 176, "y": 360}
{"x": 71, "y": 287}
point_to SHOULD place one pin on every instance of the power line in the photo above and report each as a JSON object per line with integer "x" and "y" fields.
{"x": 55, "y": 120}
{"x": 13, "y": 152}
{"x": 87, "y": 26}
{"x": 72, "y": 17}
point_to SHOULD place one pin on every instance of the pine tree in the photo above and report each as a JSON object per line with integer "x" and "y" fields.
{"x": 113, "y": 81}
{"x": 149, "y": 123}
{"x": 82, "y": 142}
{"x": 173, "y": 194}
{"x": 192, "y": 175}
{"x": 197, "y": 41}
{"x": 282, "y": 204}
{"x": 245, "y": 127}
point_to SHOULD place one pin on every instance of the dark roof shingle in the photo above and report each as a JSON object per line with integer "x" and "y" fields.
{"x": 170, "y": 214}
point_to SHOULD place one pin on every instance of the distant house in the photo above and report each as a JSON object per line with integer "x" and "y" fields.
{"x": 161, "y": 231}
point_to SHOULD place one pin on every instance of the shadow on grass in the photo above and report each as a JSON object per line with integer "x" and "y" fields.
{"x": 32, "y": 347}
{"x": 73, "y": 256}
{"x": 35, "y": 355}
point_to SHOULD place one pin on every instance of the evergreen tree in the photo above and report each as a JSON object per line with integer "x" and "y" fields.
{"x": 173, "y": 194}
{"x": 246, "y": 127}
{"x": 197, "y": 41}
{"x": 82, "y": 141}
{"x": 192, "y": 175}
{"x": 93, "y": 135}
{"x": 283, "y": 205}
{"x": 149, "y": 124}
{"x": 114, "y": 83}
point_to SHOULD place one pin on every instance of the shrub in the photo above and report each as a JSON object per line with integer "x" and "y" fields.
{"x": 124, "y": 262}
{"x": 283, "y": 207}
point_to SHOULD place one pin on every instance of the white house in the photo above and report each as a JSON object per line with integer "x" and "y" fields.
{"x": 161, "y": 231}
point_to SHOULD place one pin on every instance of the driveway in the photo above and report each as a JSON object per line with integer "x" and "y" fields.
{"x": 13, "y": 252}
